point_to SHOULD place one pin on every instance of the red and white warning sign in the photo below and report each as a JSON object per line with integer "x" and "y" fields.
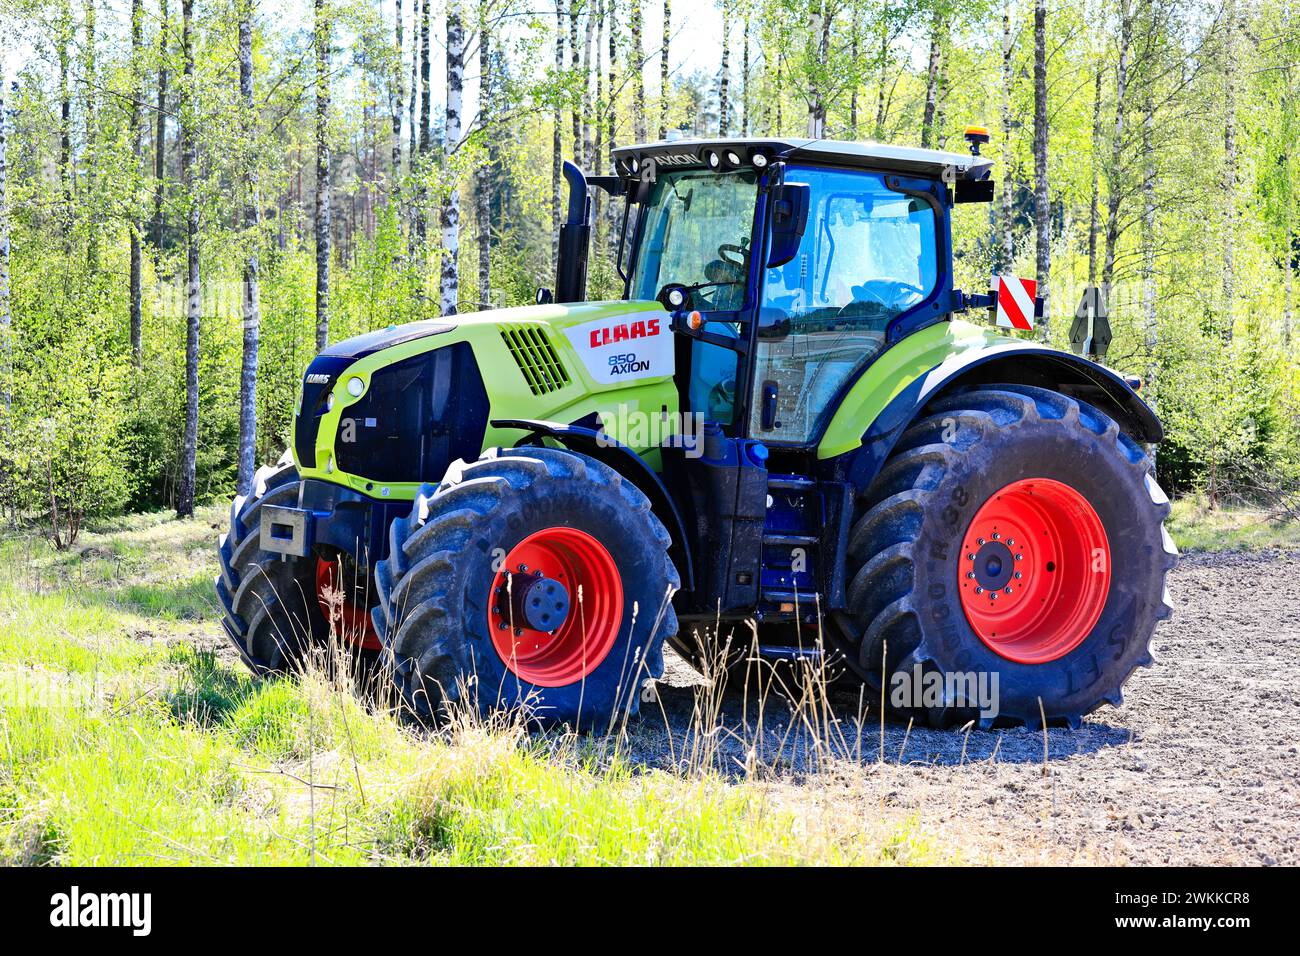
{"x": 1016, "y": 302}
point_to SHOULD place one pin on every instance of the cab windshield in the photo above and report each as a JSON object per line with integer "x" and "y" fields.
{"x": 697, "y": 232}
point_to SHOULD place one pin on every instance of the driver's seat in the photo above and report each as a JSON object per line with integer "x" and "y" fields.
{"x": 729, "y": 295}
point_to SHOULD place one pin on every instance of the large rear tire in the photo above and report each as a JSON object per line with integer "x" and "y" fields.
{"x": 1015, "y": 533}
{"x": 485, "y": 557}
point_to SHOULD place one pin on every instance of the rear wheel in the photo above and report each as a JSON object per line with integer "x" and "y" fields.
{"x": 532, "y": 577}
{"x": 1015, "y": 537}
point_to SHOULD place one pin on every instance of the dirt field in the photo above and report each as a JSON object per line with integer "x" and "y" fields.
{"x": 1200, "y": 765}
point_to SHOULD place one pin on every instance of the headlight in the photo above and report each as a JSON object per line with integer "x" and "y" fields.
{"x": 356, "y": 387}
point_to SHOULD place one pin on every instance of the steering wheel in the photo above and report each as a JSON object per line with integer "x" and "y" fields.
{"x": 863, "y": 292}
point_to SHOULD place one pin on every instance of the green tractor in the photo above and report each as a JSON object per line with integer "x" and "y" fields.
{"x": 782, "y": 421}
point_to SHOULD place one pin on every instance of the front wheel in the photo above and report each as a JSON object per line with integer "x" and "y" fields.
{"x": 532, "y": 577}
{"x": 1009, "y": 562}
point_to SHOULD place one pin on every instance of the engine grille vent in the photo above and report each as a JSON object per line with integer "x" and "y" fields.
{"x": 536, "y": 358}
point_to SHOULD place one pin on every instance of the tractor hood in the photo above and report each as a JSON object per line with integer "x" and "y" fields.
{"x": 386, "y": 410}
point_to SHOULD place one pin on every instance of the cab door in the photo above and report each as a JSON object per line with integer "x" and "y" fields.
{"x": 868, "y": 255}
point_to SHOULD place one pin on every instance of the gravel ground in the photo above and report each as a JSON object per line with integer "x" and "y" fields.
{"x": 1199, "y": 766}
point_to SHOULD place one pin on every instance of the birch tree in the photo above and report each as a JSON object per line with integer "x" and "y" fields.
{"x": 322, "y": 31}
{"x": 449, "y": 286}
{"x": 664, "y": 92}
{"x": 160, "y": 128}
{"x": 189, "y": 158}
{"x": 636, "y": 72}
{"x": 252, "y": 312}
{"x": 1042, "y": 196}
{"x": 135, "y": 122}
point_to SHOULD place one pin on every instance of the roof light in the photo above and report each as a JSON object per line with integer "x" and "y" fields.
{"x": 759, "y": 160}
{"x": 975, "y": 135}
{"x": 633, "y": 165}
{"x": 732, "y": 158}
{"x": 695, "y": 321}
{"x": 714, "y": 160}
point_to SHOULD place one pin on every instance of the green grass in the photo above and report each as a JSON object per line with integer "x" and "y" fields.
{"x": 125, "y": 739}
{"x": 1195, "y": 527}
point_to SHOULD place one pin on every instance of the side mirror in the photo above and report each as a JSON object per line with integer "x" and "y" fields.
{"x": 789, "y": 219}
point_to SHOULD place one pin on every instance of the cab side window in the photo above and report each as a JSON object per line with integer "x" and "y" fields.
{"x": 868, "y": 255}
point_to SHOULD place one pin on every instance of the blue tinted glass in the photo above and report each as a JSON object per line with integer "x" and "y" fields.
{"x": 868, "y": 254}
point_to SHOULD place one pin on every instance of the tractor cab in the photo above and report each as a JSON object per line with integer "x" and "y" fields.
{"x": 788, "y": 265}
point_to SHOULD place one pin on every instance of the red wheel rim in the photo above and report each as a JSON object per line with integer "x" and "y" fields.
{"x": 578, "y": 646}
{"x": 1034, "y": 570}
{"x": 350, "y": 620}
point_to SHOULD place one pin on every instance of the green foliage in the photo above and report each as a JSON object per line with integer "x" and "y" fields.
{"x": 105, "y": 434}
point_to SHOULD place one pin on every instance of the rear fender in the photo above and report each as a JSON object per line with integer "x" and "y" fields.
{"x": 968, "y": 356}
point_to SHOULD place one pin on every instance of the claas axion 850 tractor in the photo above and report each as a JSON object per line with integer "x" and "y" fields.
{"x": 782, "y": 421}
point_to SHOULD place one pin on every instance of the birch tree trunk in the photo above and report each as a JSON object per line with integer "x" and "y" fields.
{"x": 324, "y": 203}
{"x": 160, "y": 130}
{"x": 1094, "y": 217}
{"x": 189, "y": 156}
{"x": 1042, "y": 195}
{"x": 136, "y": 122}
{"x": 252, "y": 220}
{"x": 483, "y": 175}
{"x": 413, "y": 103}
{"x": 65, "y": 117}
{"x": 1008, "y": 47}
{"x": 1114, "y": 177}
{"x": 611, "y": 112}
{"x": 1288, "y": 208}
{"x": 583, "y": 156}
{"x": 636, "y": 65}
{"x": 575, "y": 68}
{"x": 664, "y": 92}
{"x": 6, "y": 312}
{"x": 744, "y": 80}
{"x": 1150, "y": 328}
{"x": 90, "y": 159}
{"x": 449, "y": 286}
{"x": 937, "y": 22}
{"x": 397, "y": 93}
{"x": 1229, "y": 170}
{"x": 598, "y": 119}
{"x": 724, "y": 77}
{"x": 557, "y": 144}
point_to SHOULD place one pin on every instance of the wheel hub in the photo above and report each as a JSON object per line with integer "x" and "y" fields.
{"x": 1035, "y": 570}
{"x": 556, "y": 607}
{"x": 533, "y": 601}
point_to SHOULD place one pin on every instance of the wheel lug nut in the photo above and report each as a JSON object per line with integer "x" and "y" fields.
{"x": 1008, "y": 590}
{"x": 979, "y": 590}
{"x": 993, "y": 595}
{"x": 970, "y": 574}
{"x": 501, "y": 626}
{"x": 1019, "y": 575}
{"x": 996, "y": 536}
{"x": 970, "y": 556}
{"x": 1011, "y": 542}
{"x": 1020, "y": 557}
{"x": 979, "y": 540}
